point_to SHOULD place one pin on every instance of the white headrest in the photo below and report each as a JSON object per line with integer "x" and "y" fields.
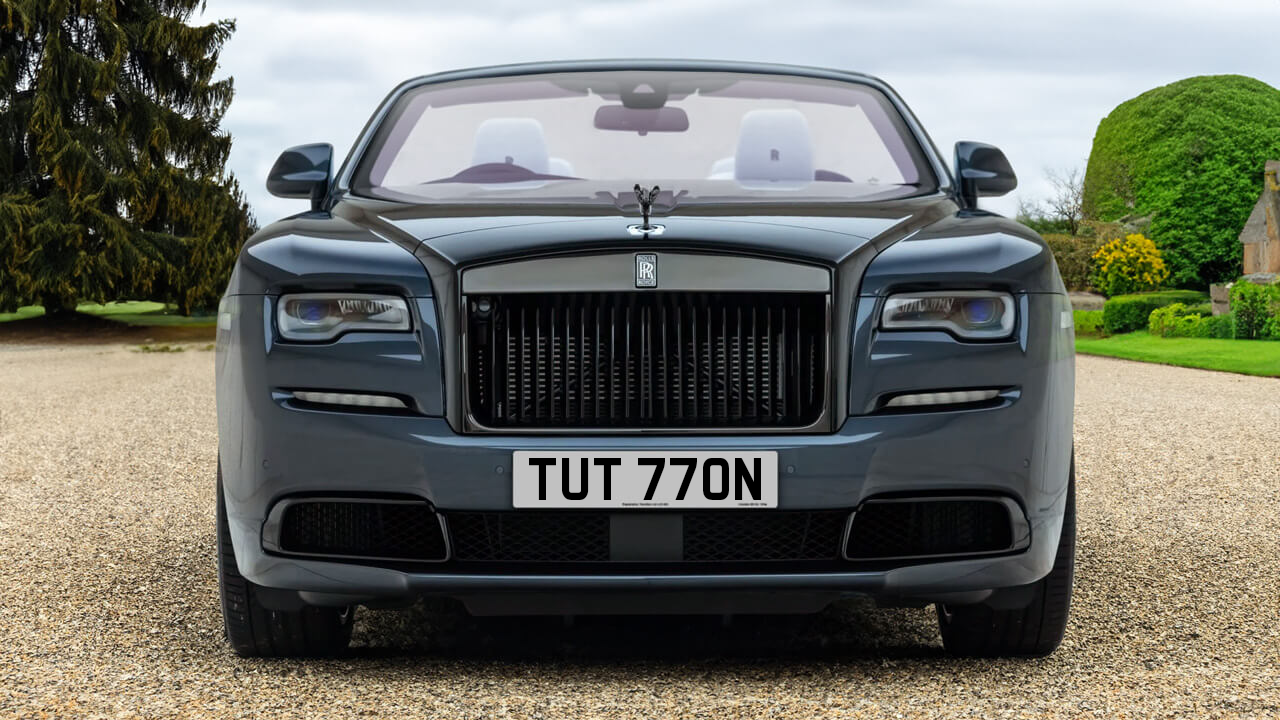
{"x": 722, "y": 169}
{"x": 774, "y": 145}
{"x": 515, "y": 141}
{"x": 560, "y": 166}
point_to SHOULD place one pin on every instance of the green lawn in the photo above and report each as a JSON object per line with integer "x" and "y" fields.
{"x": 136, "y": 312}
{"x": 1251, "y": 357}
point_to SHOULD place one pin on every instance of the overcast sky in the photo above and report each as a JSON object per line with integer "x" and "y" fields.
{"x": 1031, "y": 76}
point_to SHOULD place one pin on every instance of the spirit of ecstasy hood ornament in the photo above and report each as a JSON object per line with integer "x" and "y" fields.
{"x": 646, "y": 198}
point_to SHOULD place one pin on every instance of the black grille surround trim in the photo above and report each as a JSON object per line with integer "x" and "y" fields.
{"x": 662, "y": 391}
{"x": 1019, "y": 529}
{"x": 274, "y": 529}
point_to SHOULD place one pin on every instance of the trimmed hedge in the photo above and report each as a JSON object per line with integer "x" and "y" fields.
{"x": 1088, "y": 322}
{"x": 1178, "y": 320}
{"x": 1126, "y": 313}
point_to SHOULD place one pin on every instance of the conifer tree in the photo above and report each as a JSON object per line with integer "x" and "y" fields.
{"x": 112, "y": 162}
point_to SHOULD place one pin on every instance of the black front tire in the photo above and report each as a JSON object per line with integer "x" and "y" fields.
{"x": 1032, "y": 631}
{"x": 256, "y": 631}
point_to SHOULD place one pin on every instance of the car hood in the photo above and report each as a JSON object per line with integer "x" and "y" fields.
{"x": 461, "y": 236}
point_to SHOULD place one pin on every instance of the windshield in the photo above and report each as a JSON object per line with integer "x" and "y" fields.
{"x": 591, "y": 136}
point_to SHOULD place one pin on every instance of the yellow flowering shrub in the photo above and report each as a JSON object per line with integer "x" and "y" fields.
{"x": 1128, "y": 265}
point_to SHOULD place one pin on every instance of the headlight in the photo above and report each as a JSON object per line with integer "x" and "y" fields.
{"x": 970, "y": 314}
{"x": 324, "y": 316}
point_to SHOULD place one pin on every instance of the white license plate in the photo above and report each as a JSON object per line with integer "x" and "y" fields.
{"x": 634, "y": 479}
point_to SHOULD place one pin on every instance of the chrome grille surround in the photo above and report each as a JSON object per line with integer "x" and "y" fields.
{"x": 748, "y": 355}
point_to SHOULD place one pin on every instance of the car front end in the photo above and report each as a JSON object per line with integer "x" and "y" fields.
{"x": 536, "y": 405}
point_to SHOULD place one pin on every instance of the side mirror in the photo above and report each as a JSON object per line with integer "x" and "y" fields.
{"x": 982, "y": 171}
{"x": 302, "y": 172}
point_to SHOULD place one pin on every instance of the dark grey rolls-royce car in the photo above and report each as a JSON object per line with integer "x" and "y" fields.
{"x": 645, "y": 337}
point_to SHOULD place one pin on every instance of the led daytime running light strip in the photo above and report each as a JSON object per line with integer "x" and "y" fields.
{"x": 352, "y": 399}
{"x": 959, "y": 397}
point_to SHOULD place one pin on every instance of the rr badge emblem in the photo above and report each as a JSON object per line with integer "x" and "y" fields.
{"x": 646, "y": 270}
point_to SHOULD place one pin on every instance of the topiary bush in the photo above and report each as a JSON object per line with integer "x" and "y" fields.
{"x": 1128, "y": 265}
{"x": 1189, "y": 156}
{"x": 1163, "y": 321}
{"x": 1126, "y": 313}
{"x": 1254, "y": 306}
{"x": 1178, "y": 320}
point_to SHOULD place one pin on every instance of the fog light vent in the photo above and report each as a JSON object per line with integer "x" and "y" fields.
{"x": 907, "y": 528}
{"x": 357, "y": 528}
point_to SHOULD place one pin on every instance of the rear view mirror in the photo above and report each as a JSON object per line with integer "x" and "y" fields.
{"x": 302, "y": 172}
{"x": 641, "y": 120}
{"x": 982, "y": 171}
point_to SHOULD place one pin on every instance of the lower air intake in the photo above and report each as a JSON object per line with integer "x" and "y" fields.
{"x": 395, "y": 530}
{"x": 904, "y": 528}
{"x": 530, "y": 536}
{"x": 707, "y": 537}
{"x": 752, "y": 537}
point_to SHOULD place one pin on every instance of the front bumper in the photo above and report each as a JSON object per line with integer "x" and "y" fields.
{"x": 318, "y": 452}
{"x": 271, "y": 449}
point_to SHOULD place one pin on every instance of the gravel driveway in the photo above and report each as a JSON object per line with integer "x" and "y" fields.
{"x": 108, "y": 599}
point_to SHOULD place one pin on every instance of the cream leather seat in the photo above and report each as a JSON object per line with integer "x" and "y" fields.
{"x": 774, "y": 147}
{"x": 516, "y": 141}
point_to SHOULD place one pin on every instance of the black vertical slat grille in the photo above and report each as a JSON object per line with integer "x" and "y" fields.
{"x": 647, "y": 360}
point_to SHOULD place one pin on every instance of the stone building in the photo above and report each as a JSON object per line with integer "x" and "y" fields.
{"x": 1261, "y": 234}
{"x": 1260, "y": 239}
